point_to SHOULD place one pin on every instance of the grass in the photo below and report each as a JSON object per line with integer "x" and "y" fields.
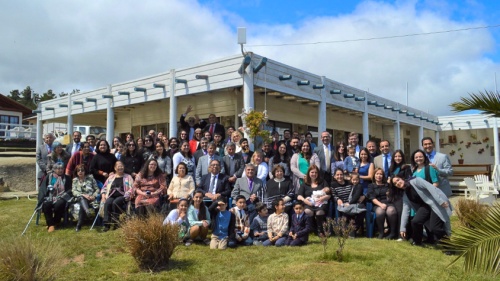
{"x": 94, "y": 255}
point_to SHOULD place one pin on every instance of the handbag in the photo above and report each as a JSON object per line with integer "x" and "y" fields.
{"x": 351, "y": 209}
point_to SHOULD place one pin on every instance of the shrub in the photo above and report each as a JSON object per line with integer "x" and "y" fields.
{"x": 27, "y": 259}
{"x": 342, "y": 228}
{"x": 149, "y": 241}
{"x": 470, "y": 210}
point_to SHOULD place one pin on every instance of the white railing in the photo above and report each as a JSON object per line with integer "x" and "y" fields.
{"x": 17, "y": 131}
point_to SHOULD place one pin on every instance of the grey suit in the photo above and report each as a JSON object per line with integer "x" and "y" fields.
{"x": 202, "y": 167}
{"x": 320, "y": 151}
{"x": 241, "y": 188}
{"x": 378, "y": 162}
{"x": 42, "y": 158}
{"x": 444, "y": 168}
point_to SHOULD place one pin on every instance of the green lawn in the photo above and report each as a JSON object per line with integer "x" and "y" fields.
{"x": 93, "y": 255}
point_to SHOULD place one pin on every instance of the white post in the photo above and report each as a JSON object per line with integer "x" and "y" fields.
{"x": 70, "y": 120}
{"x": 437, "y": 143}
{"x": 420, "y": 135}
{"x": 173, "y": 106}
{"x": 397, "y": 134}
{"x": 322, "y": 111}
{"x": 366, "y": 126}
{"x": 39, "y": 140}
{"x": 248, "y": 95}
{"x": 110, "y": 119}
{"x": 495, "y": 141}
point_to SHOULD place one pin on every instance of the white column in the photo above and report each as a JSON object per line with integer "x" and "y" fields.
{"x": 110, "y": 119}
{"x": 39, "y": 140}
{"x": 420, "y": 135}
{"x": 322, "y": 111}
{"x": 248, "y": 95}
{"x": 173, "y": 106}
{"x": 70, "y": 120}
{"x": 397, "y": 134}
{"x": 495, "y": 141}
{"x": 237, "y": 109}
{"x": 366, "y": 128}
{"x": 436, "y": 141}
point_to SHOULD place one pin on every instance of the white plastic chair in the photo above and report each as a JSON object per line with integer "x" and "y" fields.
{"x": 471, "y": 192}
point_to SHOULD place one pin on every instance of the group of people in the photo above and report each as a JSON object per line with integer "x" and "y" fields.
{"x": 207, "y": 182}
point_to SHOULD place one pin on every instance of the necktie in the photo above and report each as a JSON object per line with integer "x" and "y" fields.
{"x": 327, "y": 158}
{"x": 49, "y": 148}
{"x": 250, "y": 185}
{"x": 386, "y": 165}
{"x": 241, "y": 214}
{"x": 212, "y": 184}
{"x": 212, "y": 129}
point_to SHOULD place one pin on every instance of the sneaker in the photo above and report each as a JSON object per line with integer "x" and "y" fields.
{"x": 189, "y": 243}
{"x": 206, "y": 241}
{"x": 399, "y": 239}
{"x": 257, "y": 243}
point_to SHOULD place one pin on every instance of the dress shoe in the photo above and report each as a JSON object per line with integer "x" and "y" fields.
{"x": 417, "y": 244}
{"x": 51, "y": 229}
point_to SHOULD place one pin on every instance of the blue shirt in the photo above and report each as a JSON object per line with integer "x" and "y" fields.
{"x": 431, "y": 156}
{"x": 222, "y": 220}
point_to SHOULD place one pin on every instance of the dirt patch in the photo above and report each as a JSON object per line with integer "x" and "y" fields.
{"x": 18, "y": 173}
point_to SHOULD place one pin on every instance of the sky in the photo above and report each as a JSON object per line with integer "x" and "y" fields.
{"x": 66, "y": 45}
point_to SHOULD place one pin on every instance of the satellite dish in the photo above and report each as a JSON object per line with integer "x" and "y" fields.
{"x": 35, "y": 99}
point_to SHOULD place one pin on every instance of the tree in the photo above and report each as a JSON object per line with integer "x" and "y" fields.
{"x": 48, "y": 96}
{"x": 487, "y": 103}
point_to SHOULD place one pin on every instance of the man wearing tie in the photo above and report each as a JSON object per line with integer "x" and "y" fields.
{"x": 201, "y": 151}
{"x": 204, "y": 163}
{"x": 251, "y": 187}
{"x": 215, "y": 185}
{"x": 233, "y": 164}
{"x": 325, "y": 152}
{"x": 72, "y": 149}
{"x": 214, "y": 127}
{"x": 42, "y": 154}
{"x": 383, "y": 161}
{"x": 441, "y": 162}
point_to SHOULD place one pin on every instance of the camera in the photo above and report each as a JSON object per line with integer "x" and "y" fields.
{"x": 148, "y": 192}
{"x": 50, "y": 190}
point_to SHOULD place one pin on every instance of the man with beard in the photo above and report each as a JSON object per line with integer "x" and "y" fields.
{"x": 194, "y": 144}
{"x": 173, "y": 147}
{"x": 245, "y": 152}
{"x": 202, "y": 151}
{"x": 294, "y": 147}
{"x": 72, "y": 149}
{"x": 267, "y": 151}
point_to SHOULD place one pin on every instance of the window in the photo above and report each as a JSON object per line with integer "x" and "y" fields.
{"x": 7, "y": 119}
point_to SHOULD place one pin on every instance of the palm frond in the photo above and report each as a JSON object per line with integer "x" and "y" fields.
{"x": 487, "y": 103}
{"x": 480, "y": 244}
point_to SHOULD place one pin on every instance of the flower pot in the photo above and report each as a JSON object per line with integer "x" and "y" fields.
{"x": 460, "y": 161}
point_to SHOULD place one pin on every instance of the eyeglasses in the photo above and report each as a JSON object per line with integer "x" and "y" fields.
{"x": 80, "y": 170}
{"x": 131, "y": 144}
{"x": 147, "y": 140}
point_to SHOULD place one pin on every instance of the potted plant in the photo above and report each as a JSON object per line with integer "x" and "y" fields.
{"x": 461, "y": 160}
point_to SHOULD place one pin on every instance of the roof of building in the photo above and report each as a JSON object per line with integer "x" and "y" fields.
{"x": 9, "y": 104}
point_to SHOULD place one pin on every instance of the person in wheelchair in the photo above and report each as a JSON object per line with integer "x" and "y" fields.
{"x": 53, "y": 196}
{"x": 117, "y": 190}
{"x": 85, "y": 191}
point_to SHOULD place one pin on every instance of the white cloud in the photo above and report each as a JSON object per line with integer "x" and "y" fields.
{"x": 438, "y": 68}
{"x": 63, "y": 45}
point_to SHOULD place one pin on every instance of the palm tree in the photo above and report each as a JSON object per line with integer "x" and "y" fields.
{"x": 487, "y": 102}
{"x": 479, "y": 243}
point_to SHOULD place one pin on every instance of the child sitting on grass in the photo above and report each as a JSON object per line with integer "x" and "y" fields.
{"x": 242, "y": 224}
{"x": 179, "y": 216}
{"x": 259, "y": 224}
{"x": 223, "y": 225}
{"x": 277, "y": 225}
{"x": 300, "y": 228}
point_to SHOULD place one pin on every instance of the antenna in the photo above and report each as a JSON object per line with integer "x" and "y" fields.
{"x": 242, "y": 37}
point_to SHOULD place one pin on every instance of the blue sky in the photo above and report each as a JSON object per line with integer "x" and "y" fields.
{"x": 61, "y": 45}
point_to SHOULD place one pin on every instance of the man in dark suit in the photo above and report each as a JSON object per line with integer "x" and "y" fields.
{"x": 245, "y": 152}
{"x": 326, "y": 155}
{"x": 75, "y": 146}
{"x": 371, "y": 145}
{"x": 42, "y": 154}
{"x": 192, "y": 123}
{"x": 214, "y": 127}
{"x": 215, "y": 184}
{"x": 201, "y": 151}
{"x": 441, "y": 162}
{"x": 233, "y": 164}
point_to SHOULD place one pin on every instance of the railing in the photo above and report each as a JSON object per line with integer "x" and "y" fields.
{"x": 17, "y": 131}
